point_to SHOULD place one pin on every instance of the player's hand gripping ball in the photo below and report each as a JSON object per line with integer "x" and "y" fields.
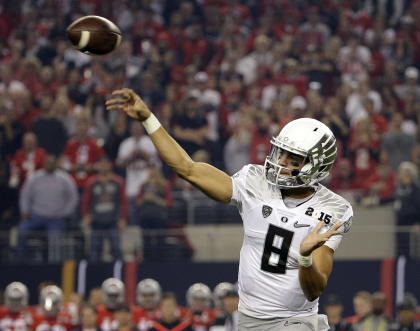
{"x": 94, "y": 35}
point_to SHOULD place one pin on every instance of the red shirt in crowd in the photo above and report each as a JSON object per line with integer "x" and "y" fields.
{"x": 260, "y": 147}
{"x": 105, "y": 318}
{"x": 10, "y": 321}
{"x": 84, "y": 155}
{"x": 201, "y": 322}
{"x": 142, "y": 318}
{"x": 23, "y": 165}
{"x": 60, "y": 323}
{"x": 389, "y": 182}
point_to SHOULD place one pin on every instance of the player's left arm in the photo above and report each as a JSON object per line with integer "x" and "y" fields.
{"x": 313, "y": 279}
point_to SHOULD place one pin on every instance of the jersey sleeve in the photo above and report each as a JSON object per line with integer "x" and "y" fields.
{"x": 238, "y": 187}
{"x": 335, "y": 240}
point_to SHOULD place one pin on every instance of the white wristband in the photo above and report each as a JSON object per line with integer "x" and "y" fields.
{"x": 151, "y": 124}
{"x": 305, "y": 261}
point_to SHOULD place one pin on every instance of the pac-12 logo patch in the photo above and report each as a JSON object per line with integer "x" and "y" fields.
{"x": 266, "y": 211}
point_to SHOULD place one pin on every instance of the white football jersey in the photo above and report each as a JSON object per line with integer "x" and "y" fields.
{"x": 268, "y": 269}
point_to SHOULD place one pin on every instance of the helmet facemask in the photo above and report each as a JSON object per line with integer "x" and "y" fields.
{"x": 16, "y": 297}
{"x": 51, "y": 301}
{"x": 199, "y": 297}
{"x": 113, "y": 293}
{"x": 149, "y": 293}
{"x": 315, "y": 166}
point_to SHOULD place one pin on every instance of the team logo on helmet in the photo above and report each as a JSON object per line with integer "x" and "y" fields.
{"x": 266, "y": 211}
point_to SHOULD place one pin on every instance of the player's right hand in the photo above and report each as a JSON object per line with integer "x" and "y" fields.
{"x": 128, "y": 101}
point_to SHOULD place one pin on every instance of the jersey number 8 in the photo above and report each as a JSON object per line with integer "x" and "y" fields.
{"x": 274, "y": 258}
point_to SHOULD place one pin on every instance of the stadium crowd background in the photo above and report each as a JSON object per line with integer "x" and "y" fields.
{"x": 222, "y": 76}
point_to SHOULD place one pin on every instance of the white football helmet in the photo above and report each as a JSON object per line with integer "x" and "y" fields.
{"x": 51, "y": 299}
{"x": 306, "y": 137}
{"x": 113, "y": 293}
{"x": 16, "y": 297}
{"x": 149, "y": 293}
{"x": 220, "y": 291}
{"x": 199, "y": 297}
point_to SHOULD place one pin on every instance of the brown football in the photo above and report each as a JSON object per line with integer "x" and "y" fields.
{"x": 94, "y": 35}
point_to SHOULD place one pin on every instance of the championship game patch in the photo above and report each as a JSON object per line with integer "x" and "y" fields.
{"x": 266, "y": 211}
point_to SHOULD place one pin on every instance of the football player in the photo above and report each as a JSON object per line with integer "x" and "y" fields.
{"x": 292, "y": 223}
{"x": 199, "y": 302}
{"x": 113, "y": 296}
{"x": 219, "y": 292}
{"x": 51, "y": 317}
{"x": 148, "y": 296}
{"x": 14, "y": 315}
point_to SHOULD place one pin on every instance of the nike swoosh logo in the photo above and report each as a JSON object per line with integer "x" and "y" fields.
{"x": 300, "y": 225}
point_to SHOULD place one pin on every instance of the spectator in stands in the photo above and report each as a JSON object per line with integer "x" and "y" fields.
{"x": 81, "y": 153}
{"x": 406, "y": 206}
{"x": 136, "y": 154}
{"x": 75, "y": 89}
{"x": 313, "y": 34}
{"x": 261, "y": 55}
{"x": 49, "y": 130}
{"x": 361, "y": 92}
{"x": 229, "y": 320}
{"x": 26, "y": 161}
{"x": 379, "y": 303}
{"x": 170, "y": 319}
{"x": 291, "y": 76}
{"x": 344, "y": 182}
{"x": 260, "y": 141}
{"x": 362, "y": 304}
{"x": 236, "y": 150}
{"x": 396, "y": 144}
{"x": 190, "y": 127}
{"x": 88, "y": 319}
{"x": 118, "y": 133}
{"x": 363, "y": 150}
{"x": 11, "y": 130}
{"x": 380, "y": 185}
{"x": 104, "y": 209}
{"x": 152, "y": 205}
{"x": 406, "y": 315}
{"x": 369, "y": 319}
{"x": 354, "y": 60}
{"x": 46, "y": 200}
{"x": 334, "y": 308}
{"x": 62, "y": 108}
{"x": 411, "y": 84}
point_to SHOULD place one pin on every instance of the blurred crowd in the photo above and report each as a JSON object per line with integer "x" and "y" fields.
{"x": 222, "y": 76}
{"x": 105, "y": 309}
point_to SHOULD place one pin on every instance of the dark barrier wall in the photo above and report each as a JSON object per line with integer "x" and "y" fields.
{"x": 347, "y": 278}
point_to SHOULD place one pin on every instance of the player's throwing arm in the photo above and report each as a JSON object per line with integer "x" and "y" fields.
{"x": 213, "y": 182}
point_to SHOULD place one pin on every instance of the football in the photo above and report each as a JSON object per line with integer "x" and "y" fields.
{"x": 94, "y": 35}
